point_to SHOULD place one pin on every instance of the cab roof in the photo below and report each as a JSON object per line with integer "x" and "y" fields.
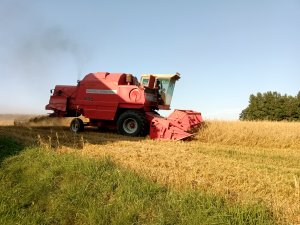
{"x": 176, "y": 75}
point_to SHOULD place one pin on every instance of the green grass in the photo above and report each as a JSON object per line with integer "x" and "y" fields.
{"x": 39, "y": 186}
{"x": 9, "y": 147}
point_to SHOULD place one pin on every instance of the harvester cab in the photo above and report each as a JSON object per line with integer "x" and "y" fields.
{"x": 165, "y": 84}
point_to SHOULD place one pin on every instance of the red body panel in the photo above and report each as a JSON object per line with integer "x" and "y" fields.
{"x": 99, "y": 96}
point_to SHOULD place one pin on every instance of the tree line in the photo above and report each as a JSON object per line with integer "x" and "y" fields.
{"x": 272, "y": 106}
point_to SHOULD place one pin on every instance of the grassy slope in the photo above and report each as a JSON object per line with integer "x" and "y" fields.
{"x": 41, "y": 186}
{"x": 245, "y": 162}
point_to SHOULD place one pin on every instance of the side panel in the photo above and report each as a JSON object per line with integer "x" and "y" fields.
{"x": 97, "y": 96}
{"x": 97, "y": 103}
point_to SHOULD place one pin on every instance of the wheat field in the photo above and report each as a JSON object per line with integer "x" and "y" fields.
{"x": 246, "y": 162}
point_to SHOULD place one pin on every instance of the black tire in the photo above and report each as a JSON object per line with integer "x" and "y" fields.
{"x": 76, "y": 125}
{"x": 133, "y": 123}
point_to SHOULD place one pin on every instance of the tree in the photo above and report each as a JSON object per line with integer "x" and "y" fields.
{"x": 272, "y": 106}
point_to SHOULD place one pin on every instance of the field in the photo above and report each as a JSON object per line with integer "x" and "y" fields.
{"x": 251, "y": 167}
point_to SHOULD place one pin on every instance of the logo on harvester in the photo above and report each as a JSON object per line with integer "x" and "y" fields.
{"x": 100, "y": 91}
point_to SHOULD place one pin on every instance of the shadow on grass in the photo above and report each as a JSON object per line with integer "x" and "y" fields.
{"x": 9, "y": 147}
{"x": 58, "y": 136}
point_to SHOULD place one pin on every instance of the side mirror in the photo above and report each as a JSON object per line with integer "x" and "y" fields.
{"x": 51, "y": 91}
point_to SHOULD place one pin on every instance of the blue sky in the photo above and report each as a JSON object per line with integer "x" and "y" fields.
{"x": 224, "y": 50}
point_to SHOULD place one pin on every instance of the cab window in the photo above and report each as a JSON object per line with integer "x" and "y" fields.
{"x": 145, "y": 81}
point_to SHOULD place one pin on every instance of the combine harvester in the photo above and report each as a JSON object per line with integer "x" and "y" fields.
{"x": 118, "y": 100}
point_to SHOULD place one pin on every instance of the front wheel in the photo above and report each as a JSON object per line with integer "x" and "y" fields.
{"x": 133, "y": 123}
{"x": 76, "y": 125}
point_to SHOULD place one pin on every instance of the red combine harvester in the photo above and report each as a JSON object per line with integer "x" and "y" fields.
{"x": 118, "y": 100}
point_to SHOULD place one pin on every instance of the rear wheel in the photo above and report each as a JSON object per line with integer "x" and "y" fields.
{"x": 133, "y": 123}
{"x": 76, "y": 125}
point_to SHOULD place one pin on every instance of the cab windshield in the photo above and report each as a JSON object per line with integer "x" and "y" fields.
{"x": 166, "y": 88}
